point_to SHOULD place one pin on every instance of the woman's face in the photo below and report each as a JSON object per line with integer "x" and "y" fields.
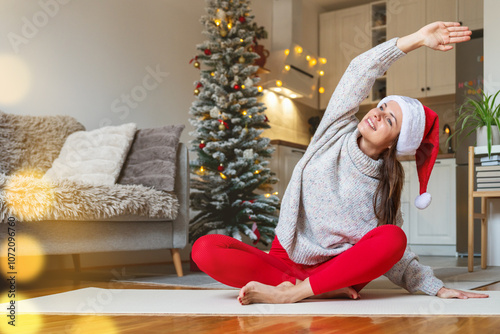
{"x": 380, "y": 127}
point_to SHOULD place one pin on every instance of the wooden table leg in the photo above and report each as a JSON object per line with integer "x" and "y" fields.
{"x": 176, "y": 257}
{"x": 484, "y": 232}
{"x": 470, "y": 254}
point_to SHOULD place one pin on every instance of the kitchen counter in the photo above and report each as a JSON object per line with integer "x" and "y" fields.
{"x": 403, "y": 158}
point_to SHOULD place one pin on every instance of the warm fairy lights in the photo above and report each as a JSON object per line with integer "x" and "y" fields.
{"x": 287, "y": 52}
{"x": 322, "y": 61}
{"x": 260, "y": 89}
{"x": 298, "y": 49}
{"x": 321, "y": 90}
{"x": 287, "y": 67}
{"x": 279, "y": 83}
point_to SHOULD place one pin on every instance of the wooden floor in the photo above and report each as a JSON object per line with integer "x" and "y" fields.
{"x": 56, "y": 282}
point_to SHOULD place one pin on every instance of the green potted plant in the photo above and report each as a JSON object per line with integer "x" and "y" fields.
{"x": 479, "y": 114}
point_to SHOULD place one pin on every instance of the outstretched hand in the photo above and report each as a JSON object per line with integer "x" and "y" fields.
{"x": 452, "y": 293}
{"x": 440, "y": 35}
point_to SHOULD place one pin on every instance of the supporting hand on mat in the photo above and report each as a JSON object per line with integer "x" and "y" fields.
{"x": 452, "y": 293}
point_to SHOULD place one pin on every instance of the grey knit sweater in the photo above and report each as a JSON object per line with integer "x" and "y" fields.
{"x": 328, "y": 205}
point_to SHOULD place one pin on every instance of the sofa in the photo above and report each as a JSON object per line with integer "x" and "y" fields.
{"x": 67, "y": 212}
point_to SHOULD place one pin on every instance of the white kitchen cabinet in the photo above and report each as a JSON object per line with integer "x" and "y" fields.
{"x": 423, "y": 72}
{"x": 431, "y": 231}
{"x": 470, "y": 13}
{"x": 343, "y": 34}
{"x": 284, "y": 160}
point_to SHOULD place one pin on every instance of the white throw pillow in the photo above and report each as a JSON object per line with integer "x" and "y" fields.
{"x": 94, "y": 157}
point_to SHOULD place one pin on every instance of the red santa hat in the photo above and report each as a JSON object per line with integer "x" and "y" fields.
{"x": 420, "y": 136}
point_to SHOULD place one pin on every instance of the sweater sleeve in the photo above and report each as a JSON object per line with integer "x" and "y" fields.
{"x": 355, "y": 84}
{"x": 411, "y": 275}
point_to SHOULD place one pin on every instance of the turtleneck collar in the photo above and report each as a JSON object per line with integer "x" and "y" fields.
{"x": 361, "y": 161}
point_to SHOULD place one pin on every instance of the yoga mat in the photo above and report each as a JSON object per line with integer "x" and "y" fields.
{"x": 223, "y": 302}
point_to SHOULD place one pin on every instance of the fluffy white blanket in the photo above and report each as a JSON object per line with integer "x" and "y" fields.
{"x": 29, "y": 197}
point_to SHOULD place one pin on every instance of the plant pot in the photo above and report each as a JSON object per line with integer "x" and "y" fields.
{"x": 482, "y": 139}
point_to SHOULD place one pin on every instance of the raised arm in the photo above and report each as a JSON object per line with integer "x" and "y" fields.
{"x": 437, "y": 36}
{"x": 365, "y": 68}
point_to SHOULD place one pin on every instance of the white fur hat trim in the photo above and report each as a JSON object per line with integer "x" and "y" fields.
{"x": 423, "y": 201}
{"x": 413, "y": 125}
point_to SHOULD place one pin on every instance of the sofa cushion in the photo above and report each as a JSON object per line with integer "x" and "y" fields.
{"x": 152, "y": 158}
{"x": 94, "y": 157}
{"x": 33, "y": 142}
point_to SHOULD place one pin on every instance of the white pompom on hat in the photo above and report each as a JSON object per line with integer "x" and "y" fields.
{"x": 420, "y": 136}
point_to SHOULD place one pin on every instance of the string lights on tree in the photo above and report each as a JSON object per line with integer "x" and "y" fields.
{"x": 231, "y": 183}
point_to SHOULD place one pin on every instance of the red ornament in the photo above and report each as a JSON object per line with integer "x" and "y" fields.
{"x": 236, "y": 87}
{"x": 266, "y": 119}
{"x": 242, "y": 19}
{"x": 202, "y": 145}
{"x": 207, "y": 52}
{"x": 199, "y": 85}
{"x": 220, "y": 168}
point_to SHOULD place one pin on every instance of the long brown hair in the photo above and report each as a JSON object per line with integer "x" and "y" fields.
{"x": 387, "y": 198}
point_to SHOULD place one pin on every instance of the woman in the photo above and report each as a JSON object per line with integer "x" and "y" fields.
{"x": 340, "y": 218}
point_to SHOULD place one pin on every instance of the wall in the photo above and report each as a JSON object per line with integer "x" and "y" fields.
{"x": 492, "y": 85}
{"x": 117, "y": 61}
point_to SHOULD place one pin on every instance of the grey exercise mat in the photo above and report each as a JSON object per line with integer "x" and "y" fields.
{"x": 455, "y": 277}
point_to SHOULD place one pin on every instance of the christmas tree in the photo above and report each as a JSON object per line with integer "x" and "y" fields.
{"x": 229, "y": 176}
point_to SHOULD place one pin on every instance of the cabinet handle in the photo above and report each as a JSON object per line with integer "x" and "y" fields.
{"x": 297, "y": 151}
{"x": 437, "y": 162}
{"x": 428, "y": 88}
{"x": 422, "y": 89}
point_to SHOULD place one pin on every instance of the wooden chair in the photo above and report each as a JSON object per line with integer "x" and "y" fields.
{"x": 483, "y": 215}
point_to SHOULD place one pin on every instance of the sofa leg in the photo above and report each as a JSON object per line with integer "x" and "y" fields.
{"x": 176, "y": 256}
{"x": 76, "y": 262}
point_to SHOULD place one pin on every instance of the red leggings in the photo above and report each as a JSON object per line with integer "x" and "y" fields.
{"x": 235, "y": 263}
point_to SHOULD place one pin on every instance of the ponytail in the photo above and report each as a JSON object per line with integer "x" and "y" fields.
{"x": 387, "y": 199}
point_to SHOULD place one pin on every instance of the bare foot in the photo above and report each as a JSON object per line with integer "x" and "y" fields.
{"x": 255, "y": 292}
{"x": 340, "y": 293}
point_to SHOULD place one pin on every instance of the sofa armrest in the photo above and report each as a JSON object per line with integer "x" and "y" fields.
{"x": 182, "y": 190}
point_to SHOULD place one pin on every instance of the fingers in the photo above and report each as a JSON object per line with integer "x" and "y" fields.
{"x": 451, "y": 24}
{"x": 461, "y": 28}
{"x": 460, "y": 33}
{"x": 444, "y": 47}
{"x": 459, "y": 39}
{"x": 475, "y": 295}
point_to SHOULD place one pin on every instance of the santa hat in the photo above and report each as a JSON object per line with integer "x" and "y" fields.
{"x": 420, "y": 136}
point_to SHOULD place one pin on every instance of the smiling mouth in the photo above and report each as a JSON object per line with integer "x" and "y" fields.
{"x": 371, "y": 124}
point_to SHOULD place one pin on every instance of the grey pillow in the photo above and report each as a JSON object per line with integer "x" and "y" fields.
{"x": 152, "y": 158}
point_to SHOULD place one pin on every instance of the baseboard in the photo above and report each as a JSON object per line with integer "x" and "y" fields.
{"x": 434, "y": 250}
